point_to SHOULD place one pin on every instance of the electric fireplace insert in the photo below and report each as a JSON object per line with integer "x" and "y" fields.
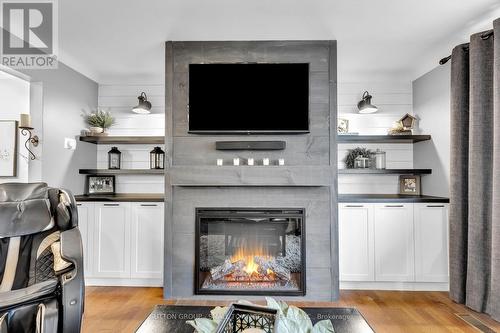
{"x": 250, "y": 251}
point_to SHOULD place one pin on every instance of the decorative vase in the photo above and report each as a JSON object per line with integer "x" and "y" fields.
{"x": 97, "y": 130}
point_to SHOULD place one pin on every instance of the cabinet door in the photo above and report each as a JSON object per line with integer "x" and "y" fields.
{"x": 112, "y": 240}
{"x": 356, "y": 241}
{"x": 86, "y": 227}
{"x": 394, "y": 243}
{"x": 431, "y": 242}
{"x": 147, "y": 240}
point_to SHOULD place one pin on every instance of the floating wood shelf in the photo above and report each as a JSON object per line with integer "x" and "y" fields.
{"x": 371, "y": 198}
{"x": 123, "y": 139}
{"x": 124, "y": 197}
{"x": 382, "y": 138}
{"x": 122, "y": 171}
{"x": 385, "y": 171}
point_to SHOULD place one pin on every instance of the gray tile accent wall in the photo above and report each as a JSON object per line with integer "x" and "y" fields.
{"x": 188, "y": 154}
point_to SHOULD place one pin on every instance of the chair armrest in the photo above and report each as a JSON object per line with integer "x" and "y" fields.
{"x": 21, "y": 296}
{"x": 73, "y": 286}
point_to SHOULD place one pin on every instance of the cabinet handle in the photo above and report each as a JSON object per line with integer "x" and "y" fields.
{"x": 78, "y": 204}
{"x": 149, "y": 205}
{"x": 354, "y": 206}
{"x": 112, "y": 205}
{"x": 435, "y": 206}
{"x": 394, "y": 206}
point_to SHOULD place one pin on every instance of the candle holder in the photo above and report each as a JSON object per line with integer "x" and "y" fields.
{"x": 33, "y": 139}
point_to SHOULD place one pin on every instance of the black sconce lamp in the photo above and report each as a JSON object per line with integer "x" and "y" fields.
{"x": 26, "y": 129}
{"x": 365, "y": 105}
{"x": 144, "y": 106}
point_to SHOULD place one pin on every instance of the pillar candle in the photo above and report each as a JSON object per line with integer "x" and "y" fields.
{"x": 25, "y": 120}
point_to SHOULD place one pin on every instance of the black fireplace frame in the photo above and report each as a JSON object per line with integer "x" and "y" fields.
{"x": 201, "y": 212}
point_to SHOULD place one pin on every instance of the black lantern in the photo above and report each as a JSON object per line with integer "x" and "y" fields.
{"x": 157, "y": 158}
{"x": 114, "y": 158}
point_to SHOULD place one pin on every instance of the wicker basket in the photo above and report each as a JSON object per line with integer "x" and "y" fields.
{"x": 239, "y": 317}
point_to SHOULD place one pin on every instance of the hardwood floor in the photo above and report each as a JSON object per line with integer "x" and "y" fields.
{"x": 119, "y": 309}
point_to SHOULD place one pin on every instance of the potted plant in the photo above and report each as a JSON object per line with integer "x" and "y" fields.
{"x": 99, "y": 121}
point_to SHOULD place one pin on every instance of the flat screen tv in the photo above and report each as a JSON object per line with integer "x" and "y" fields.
{"x": 249, "y": 98}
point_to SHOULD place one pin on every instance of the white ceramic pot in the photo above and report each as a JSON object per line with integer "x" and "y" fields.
{"x": 97, "y": 129}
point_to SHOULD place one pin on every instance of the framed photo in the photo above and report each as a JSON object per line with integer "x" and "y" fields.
{"x": 342, "y": 126}
{"x": 100, "y": 185}
{"x": 8, "y": 148}
{"x": 409, "y": 185}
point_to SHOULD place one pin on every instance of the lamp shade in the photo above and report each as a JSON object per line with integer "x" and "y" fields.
{"x": 365, "y": 105}
{"x": 144, "y": 106}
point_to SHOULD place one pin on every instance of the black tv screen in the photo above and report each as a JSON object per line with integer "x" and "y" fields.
{"x": 249, "y": 98}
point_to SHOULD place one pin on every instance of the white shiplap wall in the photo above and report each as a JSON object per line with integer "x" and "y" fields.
{"x": 394, "y": 99}
{"x": 119, "y": 99}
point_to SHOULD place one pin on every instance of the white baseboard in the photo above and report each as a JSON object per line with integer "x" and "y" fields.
{"x": 94, "y": 282}
{"x": 412, "y": 286}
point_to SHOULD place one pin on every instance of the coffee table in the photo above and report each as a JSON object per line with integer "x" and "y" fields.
{"x": 168, "y": 318}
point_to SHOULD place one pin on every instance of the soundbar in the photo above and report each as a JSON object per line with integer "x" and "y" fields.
{"x": 250, "y": 145}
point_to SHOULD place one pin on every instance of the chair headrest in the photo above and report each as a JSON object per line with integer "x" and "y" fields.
{"x": 32, "y": 208}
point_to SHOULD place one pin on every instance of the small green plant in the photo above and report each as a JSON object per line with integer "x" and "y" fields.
{"x": 100, "y": 118}
{"x": 291, "y": 319}
{"x": 353, "y": 153}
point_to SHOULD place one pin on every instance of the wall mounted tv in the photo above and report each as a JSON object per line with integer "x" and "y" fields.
{"x": 249, "y": 98}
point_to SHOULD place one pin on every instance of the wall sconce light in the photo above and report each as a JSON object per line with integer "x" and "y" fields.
{"x": 144, "y": 106}
{"x": 365, "y": 105}
{"x": 26, "y": 129}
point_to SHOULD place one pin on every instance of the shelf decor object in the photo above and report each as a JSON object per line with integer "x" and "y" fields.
{"x": 8, "y": 148}
{"x": 114, "y": 159}
{"x": 27, "y": 130}
{"x": 379, "y": 158}
{"x": 409, "y": 185}
{"x": 353, "y": 154}
{"x": 365, "y": 106}
{"x": 100, "y": 185}
{"x": 157, "y": 158}
{"x": 99, "y": 121}
{"x": 144, "y": 106}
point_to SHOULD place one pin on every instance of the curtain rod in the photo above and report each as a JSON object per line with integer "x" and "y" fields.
{"x": 484, "y": 36}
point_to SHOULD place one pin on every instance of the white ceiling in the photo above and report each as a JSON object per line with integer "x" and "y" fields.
{"x": 122, "y": 41}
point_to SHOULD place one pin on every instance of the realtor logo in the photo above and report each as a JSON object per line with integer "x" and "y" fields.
{"x": 29, "y": 34}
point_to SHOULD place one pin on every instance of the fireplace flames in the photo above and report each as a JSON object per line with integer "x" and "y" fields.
{"x": 251, "y": 268}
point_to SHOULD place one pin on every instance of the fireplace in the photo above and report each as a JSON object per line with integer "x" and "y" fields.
{"x": 250, "y": 251}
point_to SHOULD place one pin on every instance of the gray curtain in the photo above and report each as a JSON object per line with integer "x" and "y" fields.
{"x": 475, "y": 174}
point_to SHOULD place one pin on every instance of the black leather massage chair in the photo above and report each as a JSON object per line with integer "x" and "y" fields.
{"x": 41, "y": 264}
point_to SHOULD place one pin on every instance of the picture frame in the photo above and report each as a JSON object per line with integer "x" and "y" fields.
{"x": 342, "y": 126}
{"x": 409, "y": 185}
{"x": 8, "y": 148}
{"x": 100, "y": 185}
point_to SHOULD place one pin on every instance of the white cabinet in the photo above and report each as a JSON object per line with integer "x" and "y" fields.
{"x": 123, "y": 242}
{"x": 394, "y": 249}
{"x": 393, "y": 245}
{"x": 431, "y": 242}
{"x": 356, "y": 241}
{"x": 85, "y": 224}
{"x": 147, "y": 240}
{"x": 112, "y": 240}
